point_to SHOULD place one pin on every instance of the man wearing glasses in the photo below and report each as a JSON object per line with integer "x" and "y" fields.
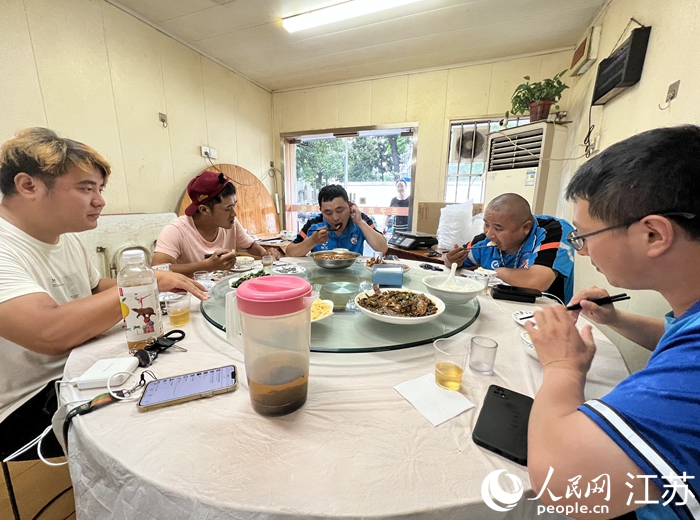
{"x": 636, "y": 210}
{"x": 525, "y": 250}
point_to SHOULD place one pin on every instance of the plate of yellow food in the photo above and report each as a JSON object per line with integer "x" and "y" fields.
{"x": 321, "y": 309}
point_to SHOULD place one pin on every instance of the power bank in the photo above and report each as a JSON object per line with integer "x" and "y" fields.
{"x": 98, "y": 374}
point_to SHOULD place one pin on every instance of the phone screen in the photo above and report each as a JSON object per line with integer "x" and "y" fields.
{"x": 164, "y": 390}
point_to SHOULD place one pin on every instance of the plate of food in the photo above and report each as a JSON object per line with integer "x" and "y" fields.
{"x": 399, "y": 306}
{"x": 321, "y": 309}
{"x": 289, "y": 269}
{"x": 238, "y": 281}
{"x": 369, "y": 264}
{"x": 240, "y": 269}
{"x": 525, "y": 315}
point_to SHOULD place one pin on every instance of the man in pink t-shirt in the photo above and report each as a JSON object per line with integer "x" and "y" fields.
{"x": 207, "y": 236}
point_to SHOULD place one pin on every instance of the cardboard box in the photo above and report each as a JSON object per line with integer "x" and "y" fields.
{"x": 429, "y": 215}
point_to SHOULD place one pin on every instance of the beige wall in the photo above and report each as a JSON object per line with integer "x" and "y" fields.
{"x": 96, "y": 74}
{"x": 673, "y": 51}
{"x": 429, "y": 99}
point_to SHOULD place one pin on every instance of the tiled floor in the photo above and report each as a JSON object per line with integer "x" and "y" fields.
{"x": 35, "y": 485}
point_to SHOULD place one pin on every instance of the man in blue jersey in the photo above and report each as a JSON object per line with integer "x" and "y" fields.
{"x": 525, "y": 250}
{"x": 340, "y": 225}
{"x": 637, "y": 213}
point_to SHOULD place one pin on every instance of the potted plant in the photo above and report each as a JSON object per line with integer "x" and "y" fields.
{"x": 538, "y": 97}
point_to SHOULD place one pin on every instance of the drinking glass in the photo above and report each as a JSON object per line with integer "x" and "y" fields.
{"x": 450, "y": 360}
{"x": 482, "y": 356}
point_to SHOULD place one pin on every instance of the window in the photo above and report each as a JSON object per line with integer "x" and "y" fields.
{"x": 466, "y": 162}
{"x": 367, "y": 163}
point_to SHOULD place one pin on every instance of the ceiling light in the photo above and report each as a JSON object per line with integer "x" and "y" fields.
{"x": 338, "y": 12}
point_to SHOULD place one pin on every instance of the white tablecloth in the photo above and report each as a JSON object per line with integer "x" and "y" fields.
{"x": 356, "y": 449}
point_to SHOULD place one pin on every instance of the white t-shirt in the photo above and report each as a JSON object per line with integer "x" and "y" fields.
{"x": 181, "y": 240}
{"x": 27, "y": 266}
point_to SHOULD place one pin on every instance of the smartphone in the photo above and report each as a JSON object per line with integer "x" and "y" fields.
{"x": 187, "y": 387}
{"x": 502, "y": 423}
{"x": 518, "y": 294}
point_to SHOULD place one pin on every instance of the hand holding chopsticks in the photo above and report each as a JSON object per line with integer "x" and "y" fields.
{"x": 598, "y": 301}
{"x": 601, "y": 301}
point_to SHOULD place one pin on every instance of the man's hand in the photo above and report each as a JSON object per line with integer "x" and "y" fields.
{"x": 558, "y": 342}
{"x": 274, "y": 253}
{"x": 603, "y": 314}
{"x": 355, "y": 214}
{"x": 167, "y": 281}
{"x": 456, "y": 255}
{"x": 221, "y": 260}
{"x": 319, "y": 236}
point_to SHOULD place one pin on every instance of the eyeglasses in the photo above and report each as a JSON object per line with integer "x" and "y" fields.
{"x": 578, "y": 241}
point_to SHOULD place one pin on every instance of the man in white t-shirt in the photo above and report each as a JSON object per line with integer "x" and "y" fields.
{"x": 51, "y": 297}
{"x": 207, "y": 236}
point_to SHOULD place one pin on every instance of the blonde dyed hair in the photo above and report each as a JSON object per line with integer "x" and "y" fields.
{"x": 43, "y": 155}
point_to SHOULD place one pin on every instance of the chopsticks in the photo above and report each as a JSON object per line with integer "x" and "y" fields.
{"x": 598, "y": 301}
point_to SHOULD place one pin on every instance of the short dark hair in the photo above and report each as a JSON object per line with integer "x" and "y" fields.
{"x": 227, "y": 191}
{"x": 41, "y": 154}
{"x": 330, "y": 192}
{"x": 652, "y": 172}
{"x": 401, "y": 180}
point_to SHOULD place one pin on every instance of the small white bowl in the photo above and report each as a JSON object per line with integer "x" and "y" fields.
{"x": 244, "y": 261}
{"x": 527, "y": 343}
{"x": 472, "y": 288}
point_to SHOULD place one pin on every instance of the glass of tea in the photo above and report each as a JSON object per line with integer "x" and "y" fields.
{"x": 178, "y": 307}
{"x": 450, "y": 360}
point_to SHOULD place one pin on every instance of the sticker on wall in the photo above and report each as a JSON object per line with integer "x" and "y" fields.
{"x": 530, "y": 178}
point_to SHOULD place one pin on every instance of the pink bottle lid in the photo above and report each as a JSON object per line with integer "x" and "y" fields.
{"x": 273, "y": 295}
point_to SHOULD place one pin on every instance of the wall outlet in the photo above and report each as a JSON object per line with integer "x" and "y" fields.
{"x": 213, "y": 154}
{"x": 205, "y": 151}
{"x": 673, "y": 91}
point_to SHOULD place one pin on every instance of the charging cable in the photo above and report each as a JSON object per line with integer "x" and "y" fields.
{"x": 552, "y": 296}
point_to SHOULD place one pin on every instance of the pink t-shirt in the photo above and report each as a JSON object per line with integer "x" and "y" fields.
{"x": 181, "y": 240}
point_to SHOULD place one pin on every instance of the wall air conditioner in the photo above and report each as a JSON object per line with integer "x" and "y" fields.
{"x": 519, "y": 162}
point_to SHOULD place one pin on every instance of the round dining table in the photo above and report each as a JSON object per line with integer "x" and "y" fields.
{"x": 356, "y": 449}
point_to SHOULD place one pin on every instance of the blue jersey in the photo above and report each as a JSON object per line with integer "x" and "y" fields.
{"x": 351, "y": 238}
{"x": 545, "y": 245}
{"x": 654, "y": 416}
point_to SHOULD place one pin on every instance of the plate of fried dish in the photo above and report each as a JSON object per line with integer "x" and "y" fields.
{"x": 369, "y": 264}
{"x": 399, "y": 306}
{"x": 321, "y": 309}
{"x": 289, "y": 269}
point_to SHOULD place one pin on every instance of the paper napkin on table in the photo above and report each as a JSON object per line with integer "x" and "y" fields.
{"x": 436, "y": 404}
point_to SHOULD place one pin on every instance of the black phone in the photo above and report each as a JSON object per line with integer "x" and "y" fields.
{"x": 518, "y": 294}
{"x": 502, "y": 423}
{"x": 187, "y": 387}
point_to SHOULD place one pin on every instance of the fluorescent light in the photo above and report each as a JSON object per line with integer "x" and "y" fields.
{"x": 338, "y": 12}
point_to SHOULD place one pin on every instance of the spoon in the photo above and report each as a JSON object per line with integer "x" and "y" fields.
{"x": 450, "y": 282}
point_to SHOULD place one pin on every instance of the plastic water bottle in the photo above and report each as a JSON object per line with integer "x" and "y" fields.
{"x": 138, "y": 294}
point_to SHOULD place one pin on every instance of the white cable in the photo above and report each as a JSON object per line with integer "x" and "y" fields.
{"x": 23, "y": 449}
{"x": 112, "y": 393}
{"x": 38, "y": 450}
{"x": 549, "y": 295}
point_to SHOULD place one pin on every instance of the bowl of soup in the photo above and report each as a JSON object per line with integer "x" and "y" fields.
{"x": 334, "y": 259}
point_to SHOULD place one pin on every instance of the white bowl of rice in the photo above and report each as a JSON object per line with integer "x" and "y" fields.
{"x": 464, "y": 290}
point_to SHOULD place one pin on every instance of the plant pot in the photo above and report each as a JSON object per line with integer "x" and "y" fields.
{"x": 540, "y": 110}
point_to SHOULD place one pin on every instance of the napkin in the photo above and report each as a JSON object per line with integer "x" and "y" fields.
{"x": 436, "y": 404}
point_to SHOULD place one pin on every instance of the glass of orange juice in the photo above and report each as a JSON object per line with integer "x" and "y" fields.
{"x": 178, "y": 307}
{"x": 450, "y": 361}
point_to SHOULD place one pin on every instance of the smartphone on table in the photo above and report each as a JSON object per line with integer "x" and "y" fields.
{"x": 502, "y": 423}
{"x": 187, "y": 387}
